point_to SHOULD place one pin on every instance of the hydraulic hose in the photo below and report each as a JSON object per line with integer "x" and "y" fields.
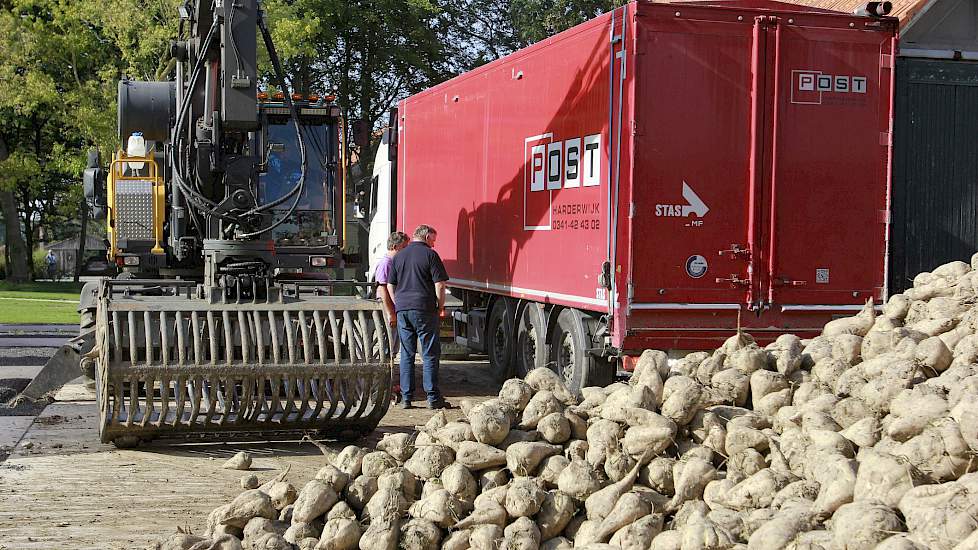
{"x": 300, "y": 185}
{"x": 196, "y": 198}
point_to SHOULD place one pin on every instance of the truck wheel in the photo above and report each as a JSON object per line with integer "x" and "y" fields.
{"x": 499, "y": 339}
{"x": 569, "y": 344}
{"x": 531, "y": 340}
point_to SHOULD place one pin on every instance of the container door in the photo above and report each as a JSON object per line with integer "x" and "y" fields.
{"x": 824, "y": 221}
{"x": 690, "y": 189}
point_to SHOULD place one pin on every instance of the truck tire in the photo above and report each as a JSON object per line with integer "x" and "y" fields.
{"x": 569, "y": 344}
{"x": 531, "y": 340}
{"x": 500, "y": 339}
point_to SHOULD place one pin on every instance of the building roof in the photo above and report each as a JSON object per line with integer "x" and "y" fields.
{"x": 904, "y": 10}
{"x": 91, "y": 242}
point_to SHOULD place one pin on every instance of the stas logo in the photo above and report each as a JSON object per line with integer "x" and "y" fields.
{"x": 551, "y": 165}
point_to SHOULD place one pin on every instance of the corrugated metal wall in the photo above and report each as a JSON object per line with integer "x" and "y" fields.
{"x": 935, "y": 167}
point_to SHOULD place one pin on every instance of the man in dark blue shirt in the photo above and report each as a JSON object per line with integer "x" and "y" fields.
{"x": 417, "y": 282}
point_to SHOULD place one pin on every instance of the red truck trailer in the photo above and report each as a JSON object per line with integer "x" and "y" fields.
{"x": 655, "y": 178}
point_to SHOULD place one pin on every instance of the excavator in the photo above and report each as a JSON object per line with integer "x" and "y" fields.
{"x": 225, "y": 213}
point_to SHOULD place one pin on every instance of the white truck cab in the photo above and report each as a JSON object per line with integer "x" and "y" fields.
{"x": 380, "y": 209}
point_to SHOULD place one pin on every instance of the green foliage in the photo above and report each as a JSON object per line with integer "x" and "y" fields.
{"x": 367, "y": 52}
{"x": 30, "y": 312}
{"x": 38, "y": 265}
{"x": 60, "y": 63}
{"x": 59, "y": 67}
{"x": 62, "y": 290}
{"x": 534, "y": 20}
{"x": 489, "y": 29}
{"x": 139, "y": 32}
{"x": 39, "y": 303}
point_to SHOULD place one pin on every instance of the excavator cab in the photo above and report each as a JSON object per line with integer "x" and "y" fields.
{"x": 318, "y": 219}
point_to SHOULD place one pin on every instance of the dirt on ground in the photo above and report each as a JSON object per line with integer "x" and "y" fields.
{"x": 17, "y": 368}
{"x": 62, "y": 488}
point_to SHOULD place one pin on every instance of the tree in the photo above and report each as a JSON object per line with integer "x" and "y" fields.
{"x": 534, "y": 20}
{"x": 490, "y": 29}
{"x": 369, "y": 53}
{"x": 15, "y": 245}
{"x": 485, "y": 28}
{"x": 59, "y": 67}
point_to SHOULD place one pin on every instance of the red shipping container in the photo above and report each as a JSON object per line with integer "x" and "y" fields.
{"x": 721, "y": 163}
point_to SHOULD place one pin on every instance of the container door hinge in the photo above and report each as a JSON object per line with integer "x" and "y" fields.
{"x": 886, "y": 139}
{"x": 736, "y": 251}
{"x": 734, "y": 280}
{"x": 631, "y": 210}
{"x": 605, "y": 278}
{"x": 886, "y": 61}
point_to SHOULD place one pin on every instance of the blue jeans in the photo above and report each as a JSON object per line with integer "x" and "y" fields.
{"x": 414, "y": 326}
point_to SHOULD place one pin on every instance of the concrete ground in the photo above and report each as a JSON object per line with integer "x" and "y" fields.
{"x": 23, "y": 351}
{"x": 36, "y": 337}
{"x": 61, "y": 488}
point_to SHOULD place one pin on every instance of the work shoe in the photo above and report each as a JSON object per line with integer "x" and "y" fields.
{"x": 440, "y": 404}
{"x": 405, "y": 404}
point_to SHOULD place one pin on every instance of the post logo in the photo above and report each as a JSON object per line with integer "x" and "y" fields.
{"x": 575, "y": 162}
{"x": 808, "y": 87}
{"x": 551, "y": 165}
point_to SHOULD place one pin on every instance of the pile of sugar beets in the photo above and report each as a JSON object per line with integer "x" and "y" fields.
{"x": 860, "y": 438}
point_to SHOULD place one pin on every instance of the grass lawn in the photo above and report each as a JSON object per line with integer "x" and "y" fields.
{"x": 42, "y": 289}
{"x": 39, "y": 303}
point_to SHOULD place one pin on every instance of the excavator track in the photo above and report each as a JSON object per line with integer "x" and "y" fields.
{"x": 177, "y": 365}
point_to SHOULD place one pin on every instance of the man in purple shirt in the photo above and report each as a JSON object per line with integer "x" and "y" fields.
{"x": 395, "y": 242}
